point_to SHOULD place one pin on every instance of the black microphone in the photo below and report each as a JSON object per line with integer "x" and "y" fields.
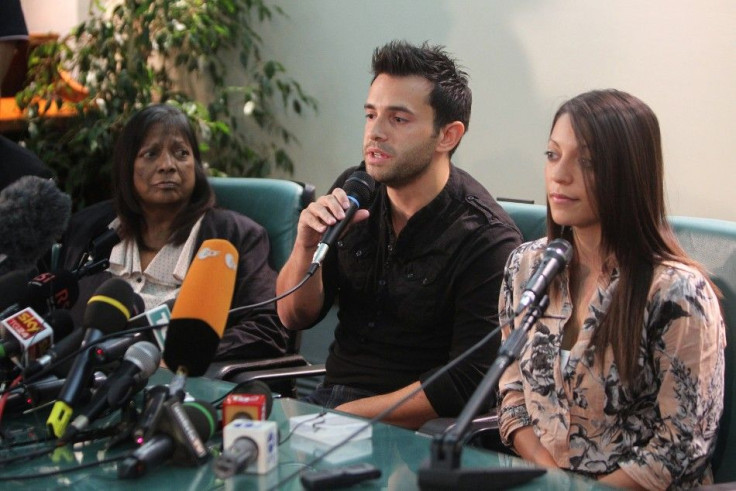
{"x": 31, "y": 396}
{"x": 33, "y": 214}
{"x": 168, "y": 444}
{"x": 12, "y": 290}
{"x": 113, "y": 349}
{"x": 48, "y": 291}
{"x": 557, "y": 255}
{"x": 108, "y": 310}
{"x": 60, "y": 350}
{"x": 139, "y": 363}
{"x": 359, "y": 187}
{"x": 153, "y": 409}
{"x": 102, "y": 245}
{"x": 249, "y": 445}
{"x": 45, "y": 292}
{"x": 97, "y": 256}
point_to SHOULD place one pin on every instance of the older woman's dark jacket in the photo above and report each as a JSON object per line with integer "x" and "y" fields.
{"x": 249, "y": 335}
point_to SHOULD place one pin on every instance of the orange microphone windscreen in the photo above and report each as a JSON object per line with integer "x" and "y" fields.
{"x": 200, "y": 312}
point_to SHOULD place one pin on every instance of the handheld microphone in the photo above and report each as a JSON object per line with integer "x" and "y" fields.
{"x": 97, "y": 256}
{"x": 33, "y": 213}
{"x": 107, "y": 311}
{"x": 60, "y": 289}
{"x": 46, "y": 292}
{"x": 139, "y": 363}
{"x": 359, "y": 187}
{"x": 556, "y": 257}
{"x": 28, "y": 334}
{"x": 250, "y": 445}
{"x": 157, "y": 316}
{"x": 60, "y": 350}
{"x": 168, "y": 444}
{"x": 250, "y": 442}
{"x": 12, "y": 290}
{"x": 152, "y": 411}
{"x": 102, "y": 245}
{"x": 32, "y": 396}
{"x": 249, "y": 400}
{"x": 113, "y": 349}
{"x": 201, "y": 309}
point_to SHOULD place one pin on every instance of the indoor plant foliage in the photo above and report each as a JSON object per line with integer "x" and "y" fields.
{"x": 203, "y": 55}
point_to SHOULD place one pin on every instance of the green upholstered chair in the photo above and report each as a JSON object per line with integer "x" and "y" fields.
{"x": 713, "y": 244}
{"x": 275, "y": 204}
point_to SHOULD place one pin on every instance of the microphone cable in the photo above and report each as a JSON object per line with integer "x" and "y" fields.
{"x": 58, "y": 472}
{"x": 430, "y": 380}
{"x": 6, "y": 394}
{"x": 60, "y": 361}
{"x": 63, "y": 359}
{"x": 306, "y": 277}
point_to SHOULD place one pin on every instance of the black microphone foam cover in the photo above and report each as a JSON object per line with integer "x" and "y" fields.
{"x": 62, "y": 323}
{"x": 110, "y": 307}
{"x": 61, "y": 288}
{"x": 12, "y": 288}
{"x": 102, "y": 245}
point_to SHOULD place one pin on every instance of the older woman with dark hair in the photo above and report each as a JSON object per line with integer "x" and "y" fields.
{"x": 622, "y": 379}
{"x": 163, "y": 209}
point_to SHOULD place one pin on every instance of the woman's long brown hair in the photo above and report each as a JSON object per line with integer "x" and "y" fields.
{"x": 626, "y": 185}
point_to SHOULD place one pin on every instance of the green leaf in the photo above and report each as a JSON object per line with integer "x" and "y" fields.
{"x": 138, "y": 53}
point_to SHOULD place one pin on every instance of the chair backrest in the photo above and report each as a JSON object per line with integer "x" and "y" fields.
{"x": 275, "y": 204}
{"x": 713, "y": 244}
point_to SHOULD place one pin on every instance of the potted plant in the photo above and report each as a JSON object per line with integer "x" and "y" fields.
{"x": 184, "y": 52}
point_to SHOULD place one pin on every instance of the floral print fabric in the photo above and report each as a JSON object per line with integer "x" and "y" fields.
{"x": 661, "y": 429}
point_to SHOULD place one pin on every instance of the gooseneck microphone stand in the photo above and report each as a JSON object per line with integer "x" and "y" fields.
{"x": 443, "y": 470}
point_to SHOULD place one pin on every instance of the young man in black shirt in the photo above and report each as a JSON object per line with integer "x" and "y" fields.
{"x": 417, "y": 273}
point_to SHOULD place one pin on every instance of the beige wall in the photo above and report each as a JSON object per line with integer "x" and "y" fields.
{"x": 524, "y": 58}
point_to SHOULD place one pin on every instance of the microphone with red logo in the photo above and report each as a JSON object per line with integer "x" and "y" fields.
{"x": 249, "y": 400}
{"x": 29, "y": 335}
{"x": 43, "y": 293}
{"x": 249, "y": 441}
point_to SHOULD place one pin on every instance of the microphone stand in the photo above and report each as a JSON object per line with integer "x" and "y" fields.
{"x": 443, "y": 470}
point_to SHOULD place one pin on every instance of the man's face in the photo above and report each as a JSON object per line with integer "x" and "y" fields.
{"x": 399, "y": 139}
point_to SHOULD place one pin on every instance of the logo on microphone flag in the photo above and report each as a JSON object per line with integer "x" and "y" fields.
{"x": 155, "y": 317}
{"x": 31, "y": 331}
